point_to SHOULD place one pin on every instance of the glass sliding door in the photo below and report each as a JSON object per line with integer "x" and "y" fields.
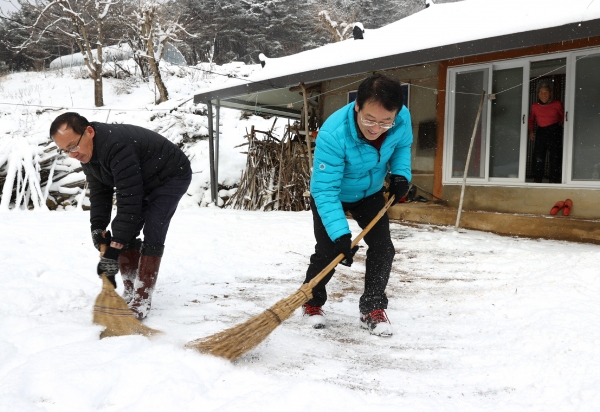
{"x": 506, "y": 123}
{"x": 545, "y": 143}
{"x": 468, "y": 86}
{"x": 585, "y": 162}
{"x": 540, "y": 123}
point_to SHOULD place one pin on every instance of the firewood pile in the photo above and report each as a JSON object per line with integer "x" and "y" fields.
{"x": 277, "y": 176}
{"x": 30, "y": 175}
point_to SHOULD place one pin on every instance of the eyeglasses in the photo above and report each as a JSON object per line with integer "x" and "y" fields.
{"x": 369, "y": 123}
{"x": 74, "y": 148}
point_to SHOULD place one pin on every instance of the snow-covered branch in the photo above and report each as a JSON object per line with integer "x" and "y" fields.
{"x": 339, "y": 31}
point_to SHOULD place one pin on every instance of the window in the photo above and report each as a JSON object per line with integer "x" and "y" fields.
{"x": 468, "y": 87}
{"x": 585, "y": 119}
{"x": 564, "y": 147}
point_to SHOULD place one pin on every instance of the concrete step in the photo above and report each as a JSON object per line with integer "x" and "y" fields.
{"x": 556, "y": 227}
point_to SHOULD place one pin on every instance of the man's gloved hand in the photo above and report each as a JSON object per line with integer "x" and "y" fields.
{"x": 100, "y": 238}
{"x": 398, "y": 187}
{"x": 343, "y": 244}
{"x": 109, "y": 264}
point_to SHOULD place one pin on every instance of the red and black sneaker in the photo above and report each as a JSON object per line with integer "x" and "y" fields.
{"x": 314, "y": 316}
{"x": 377, "y": 323}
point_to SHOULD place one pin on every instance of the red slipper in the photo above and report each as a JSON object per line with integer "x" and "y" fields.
{"x": 559, "y": 205}
{"x": 568, "y": 206}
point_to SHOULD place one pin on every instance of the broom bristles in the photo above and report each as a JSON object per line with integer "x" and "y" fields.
{"x": 111, "y": 311}
{"x": 234, "y": 342}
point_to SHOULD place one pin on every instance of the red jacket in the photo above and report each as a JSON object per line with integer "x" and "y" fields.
{"x": 546, "y": 114}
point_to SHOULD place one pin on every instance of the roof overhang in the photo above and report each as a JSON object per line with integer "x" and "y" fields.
{"x": 272, "y": 96}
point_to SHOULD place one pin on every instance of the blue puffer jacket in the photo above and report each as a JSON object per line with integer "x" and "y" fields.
{"x": 347, "y": 169}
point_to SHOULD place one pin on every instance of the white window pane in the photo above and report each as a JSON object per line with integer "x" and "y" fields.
{"x": 586, "y": 119}
{"x": 505, "y": 131}
{"x": 467, "y": 95}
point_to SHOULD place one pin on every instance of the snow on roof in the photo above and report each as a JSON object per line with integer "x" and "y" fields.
{"x": 438, "y": 25}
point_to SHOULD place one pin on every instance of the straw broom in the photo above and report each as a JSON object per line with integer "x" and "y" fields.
{"x": 234, "y": 342}
{"x": 111, "y": 311}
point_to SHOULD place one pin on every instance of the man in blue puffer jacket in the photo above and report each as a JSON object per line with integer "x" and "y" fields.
{"x": 355, "y": 149}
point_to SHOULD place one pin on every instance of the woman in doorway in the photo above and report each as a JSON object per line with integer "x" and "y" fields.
{"x": 548, "y": 114}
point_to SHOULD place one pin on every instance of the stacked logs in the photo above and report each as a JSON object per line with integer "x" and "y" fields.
{"x": 49, "y": 161}
{"x": 277, "y": 176}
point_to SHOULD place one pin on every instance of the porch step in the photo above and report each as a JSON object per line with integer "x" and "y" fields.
{"x": 556, "y": 227}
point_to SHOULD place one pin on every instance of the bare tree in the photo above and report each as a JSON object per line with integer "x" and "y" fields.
{"x": 339, "y": 30}
{"x": 152, "y": 26}
{"x": 81, "y": 20}
{"x": 336, "y": 17}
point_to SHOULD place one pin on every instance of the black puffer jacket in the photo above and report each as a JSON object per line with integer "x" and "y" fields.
{"x": 134, "y": 161}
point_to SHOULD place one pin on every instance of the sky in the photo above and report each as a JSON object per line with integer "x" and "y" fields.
{"x": 7, "y": 6}
{"x": 481, "y": 322}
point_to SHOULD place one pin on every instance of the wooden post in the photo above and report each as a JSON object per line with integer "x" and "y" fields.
{"x": 211, "y": 154}
{"x": 462, "y": 191}
{"x": 440, "y": 119}
{"x": 308, "y": 140}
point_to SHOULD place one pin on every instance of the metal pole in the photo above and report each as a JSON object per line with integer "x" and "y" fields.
{"x": 462, "y": 191}
{"x": 217, "y": 145}
{"x": 211, "y": 152}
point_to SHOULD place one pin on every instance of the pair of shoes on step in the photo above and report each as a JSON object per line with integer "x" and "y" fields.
{"x": 565, "y": 206}
{"x": 376, "y": 321}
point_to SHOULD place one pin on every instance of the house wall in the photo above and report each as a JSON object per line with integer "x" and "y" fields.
{"x": 423, "y": 80}
{"x": 526, "y": 200}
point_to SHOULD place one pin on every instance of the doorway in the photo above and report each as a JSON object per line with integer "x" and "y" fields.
{"x": 551, "y": 73}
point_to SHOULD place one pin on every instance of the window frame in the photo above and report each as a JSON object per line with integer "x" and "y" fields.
{"x": 525, "y": 63}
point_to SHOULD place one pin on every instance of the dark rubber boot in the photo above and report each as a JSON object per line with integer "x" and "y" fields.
{"x": 129, "y": 260}
{"x": 146, "y": 280}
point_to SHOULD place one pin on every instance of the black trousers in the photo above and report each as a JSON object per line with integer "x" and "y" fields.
{"x": 548, "y": 139}
{"x": 379, "y": 255}
{"x": 158, "y": 207}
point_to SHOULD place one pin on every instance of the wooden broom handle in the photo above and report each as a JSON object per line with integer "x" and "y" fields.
{"x": 357, "y": 239}
{"x": 103, "y": 248}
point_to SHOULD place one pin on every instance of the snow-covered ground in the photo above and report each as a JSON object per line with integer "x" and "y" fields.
{"x": 481, "y": 322}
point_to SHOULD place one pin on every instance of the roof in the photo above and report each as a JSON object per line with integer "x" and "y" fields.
{"x": 440, "y": 32}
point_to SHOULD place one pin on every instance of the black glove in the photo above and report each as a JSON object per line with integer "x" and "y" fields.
{"x": 398, "y": 187}
{"x": 343, "y": 244}
{"x": 100, "y": 239}
{"x": 109, "y": 264}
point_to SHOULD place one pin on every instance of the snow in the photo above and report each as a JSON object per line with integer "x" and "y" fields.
{"x": 436, "y": 26}
{"x": 30, "y": 101}
{"x": 109, "y": 53}
{"x": 481, "y": 322}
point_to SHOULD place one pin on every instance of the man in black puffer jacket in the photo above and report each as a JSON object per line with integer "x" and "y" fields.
{"x": 149, "y": 175}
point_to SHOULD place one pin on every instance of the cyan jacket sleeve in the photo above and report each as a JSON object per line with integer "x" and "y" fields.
{"x": 328, "y": 171}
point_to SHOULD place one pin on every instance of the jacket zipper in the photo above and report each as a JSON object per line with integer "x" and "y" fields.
{"x": 370, "y": 171}
{"x": 363, "y": 140}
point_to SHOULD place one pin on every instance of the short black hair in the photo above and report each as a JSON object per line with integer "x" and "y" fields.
{"x": 73, "y": 121}
{"x": 382, "y": 89}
